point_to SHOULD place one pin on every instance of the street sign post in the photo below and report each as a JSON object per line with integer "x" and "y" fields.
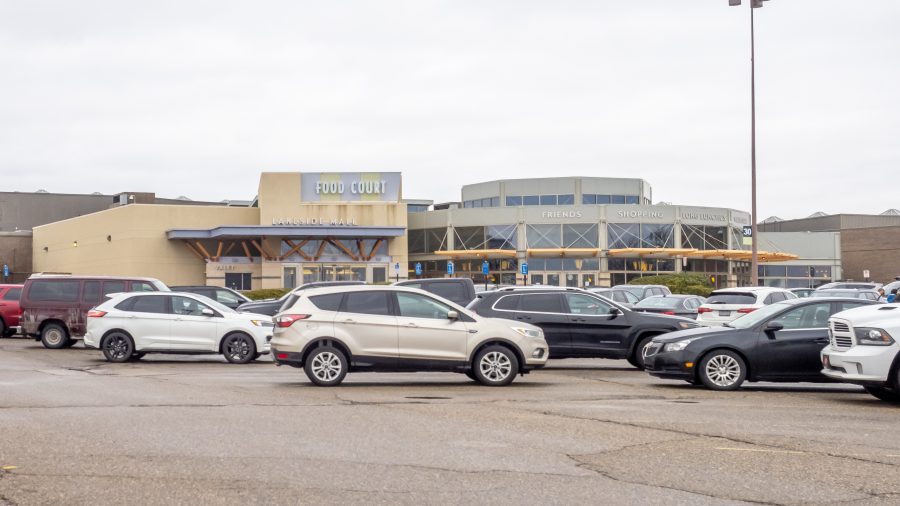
{"x": 748, "y": 235}
{"x": 865, "y": 273}
{"x": 450, "y": 267}
{"x": 6, "y": 271}
{"x": 418, "y": 269}
{"x": 485, "y": 269}
{"x": 397, "y": 270}
{"x": 525, "y": 273}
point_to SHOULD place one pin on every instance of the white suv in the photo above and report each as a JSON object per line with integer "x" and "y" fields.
{"x": 331, "y": 331}
{"x": 728, "y": 304}
{"x": 130, "y": 325}
{"x": 864, "y": 349}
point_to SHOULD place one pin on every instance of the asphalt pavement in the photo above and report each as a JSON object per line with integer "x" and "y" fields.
{"x": 168, "y": 429}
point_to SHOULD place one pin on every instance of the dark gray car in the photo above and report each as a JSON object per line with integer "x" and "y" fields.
{"x": 673, "y": 305}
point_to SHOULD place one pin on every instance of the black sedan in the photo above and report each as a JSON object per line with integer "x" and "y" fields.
{"x": 674, "y": 305}
{"x": 779, "y": 342}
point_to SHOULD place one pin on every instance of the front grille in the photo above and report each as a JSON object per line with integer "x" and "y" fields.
{"x": 841, "y": 336}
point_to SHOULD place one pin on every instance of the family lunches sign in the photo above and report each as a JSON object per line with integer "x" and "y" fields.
{"x": 350, "y": 187}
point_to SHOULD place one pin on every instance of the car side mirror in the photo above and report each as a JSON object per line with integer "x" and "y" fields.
{"x": 207, "y": 312}
{"x": 452, "y": 315}
{"x": 774, "y": 327}
{"x": 614, "y": 312}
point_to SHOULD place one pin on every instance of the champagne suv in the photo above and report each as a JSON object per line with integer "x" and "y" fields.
{"x": 329, "y": 332}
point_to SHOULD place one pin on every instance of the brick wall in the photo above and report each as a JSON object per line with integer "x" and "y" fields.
{"x": 875, "y": 249}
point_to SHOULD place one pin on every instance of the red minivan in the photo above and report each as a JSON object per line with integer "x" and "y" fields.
{"x": 54, "y": 307}
{"x": 10, "y": 311}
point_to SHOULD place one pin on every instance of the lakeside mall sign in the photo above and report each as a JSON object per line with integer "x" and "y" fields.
{"x": 350, "y": 187}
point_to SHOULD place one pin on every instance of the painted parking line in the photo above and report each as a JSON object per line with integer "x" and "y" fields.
{"x": 760, "y": 450}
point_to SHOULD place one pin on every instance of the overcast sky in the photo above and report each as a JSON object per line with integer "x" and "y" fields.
{"x": 196, "y": 98}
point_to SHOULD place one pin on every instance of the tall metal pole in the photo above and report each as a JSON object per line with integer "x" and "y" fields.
{"x": 754, "y": 270}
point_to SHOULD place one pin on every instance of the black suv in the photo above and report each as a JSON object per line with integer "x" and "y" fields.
{"x": 458, "y": 290}
{"x": 577, "y": 323}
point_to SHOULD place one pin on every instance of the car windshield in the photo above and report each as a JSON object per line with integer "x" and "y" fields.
{"x": 637, "y": 291}
{"x": 763, "y": 313}
{"x": 732, "y": 298}
{"x": 658, "y": 301}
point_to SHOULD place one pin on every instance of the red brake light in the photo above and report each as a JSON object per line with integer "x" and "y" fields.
{"x": 93, "y": 313}
{"x": 746, "y": 310}
{"x": 702, "y": 310}
{"x": 286, "y": 320}
{"x": 669, "y": 312}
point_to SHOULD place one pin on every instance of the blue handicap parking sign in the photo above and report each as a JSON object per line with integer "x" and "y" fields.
{"x": 485, "y": 268}
{"x": 5, "y": 270}
{"x": 418, "y": 269}
{"x": 450, "y": 267}
{"x": 524, "y": 268}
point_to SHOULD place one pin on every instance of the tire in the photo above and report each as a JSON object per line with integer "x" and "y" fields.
{"x": 495, "y": 366}
{"x": 3, "y": 331}
{"x": 885, "y": 394}
{"x": 722, "y": 370}
{"x": 71, "y": 342}
{"x": 471, "y": 375}
{"x": 637, "y": 359}
{"x": 54, "y": 336}
{"x": 326, "y": 366}
{"x": 117, "y": 347}
{"x": 256, "y": 356}
{"x": 238, "y": 348}
{"x": 137, "y": 355}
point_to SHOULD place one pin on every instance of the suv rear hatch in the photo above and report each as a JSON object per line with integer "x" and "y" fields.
{"x": 723, "y": 307}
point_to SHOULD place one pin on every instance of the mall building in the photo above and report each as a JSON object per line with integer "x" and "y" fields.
{"x": 303, "y": 227}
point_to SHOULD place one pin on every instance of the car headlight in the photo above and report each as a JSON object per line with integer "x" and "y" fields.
{"x": 678, "y": 345}
{"x": 687, "y": 325}
{"x": 262, "y": 323}
{"x": 537, "y": 334}
{"x": 867, "y": 336}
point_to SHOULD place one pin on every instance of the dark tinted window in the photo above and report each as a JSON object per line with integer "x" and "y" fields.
{"x": 329, "y": 302}
{"x": 13, "y": 294}
{"x": 508, "y": 303}
{"x": 584, "y": 304}
{"x": 367, "y": 303}
{"x": 113, "y": 287}
{"x": 91, "y": 292}
{"x": 541, "y": 302}
{"x": 126, "y": 304}
{"x": 54, "y": 290}
{"x": 731, "y": 298}
{"x": 149, "y": 304}
{"x": 451, "y": 291}
{"x": 806, "y": 317}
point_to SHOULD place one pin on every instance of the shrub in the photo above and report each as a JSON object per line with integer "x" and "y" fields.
{"x": 685, "y": 283}
{"x": 266, "y": 293}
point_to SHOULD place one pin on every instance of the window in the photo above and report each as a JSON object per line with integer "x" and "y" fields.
{"x": 450, "y": 291}
{"x": 117, "y": 287}
{"x": 541, "y": 303}
{"x": 507, "y": 303}
{"x": 617, "y": 199}
{"x": 548, "y": 200}
{"x": 155, "y": 304}
{"x": 413, "y": 305}
{"x": 501, "y": 236}
{"x": 367, "y": 303}
{"x": 657, "y": 236}
{"x": 742, "y": 298}
{"x": 226, "y": 297}
{"x": 624, "y": 235}
{"x": 13, "y": 294}
{"x": 187, "y": 306}
{"x": 813, "y": 316}
{"x": 379, "y": 274}
{"x": 238, "y": 280}
{"x": 588, "y": 199}
{"x": 583, "y": 304}
{"x": 91, "y": 291}
{"x": 543, "y": 236}
{"x": 580, "y": 236}
{"x": 843, "y": 306}
{"x": 566, "y": 200}
{"x": 632, "y": 199}
{"x": 140, "y": 286}
{"x": 514, "y": 201}
{"x": 328, "y": 302}
{"x": 604, "y": 199}
{"x": 531, "y": 200}
{"x": 55, "y": 290}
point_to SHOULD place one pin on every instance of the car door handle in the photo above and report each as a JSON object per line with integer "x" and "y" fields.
{"x": 411, "y": 324}
{"x": 349, "y": 321}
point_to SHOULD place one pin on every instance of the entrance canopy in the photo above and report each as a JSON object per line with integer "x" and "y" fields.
{"x": 237, "y": 232}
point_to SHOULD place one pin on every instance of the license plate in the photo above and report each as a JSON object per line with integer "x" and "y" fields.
{"x": 724, "y": 313}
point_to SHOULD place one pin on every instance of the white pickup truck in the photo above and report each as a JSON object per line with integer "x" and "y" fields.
{"x": 864, "y": 349}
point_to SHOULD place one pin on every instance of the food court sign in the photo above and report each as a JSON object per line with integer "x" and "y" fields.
{"x": 350, "y": 186}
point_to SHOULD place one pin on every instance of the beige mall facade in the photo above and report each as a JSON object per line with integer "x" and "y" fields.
{"x": 302, "y": 227}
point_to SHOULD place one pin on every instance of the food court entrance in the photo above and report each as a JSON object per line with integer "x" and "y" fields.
{"x": 297, "y": 274}
{"x": 562, "y": 278}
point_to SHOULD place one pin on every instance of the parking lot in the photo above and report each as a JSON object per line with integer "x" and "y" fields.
{"x": 78, "y": 430}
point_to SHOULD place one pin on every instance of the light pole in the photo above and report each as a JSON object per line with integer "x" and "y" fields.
{"x": 754, "y": 269}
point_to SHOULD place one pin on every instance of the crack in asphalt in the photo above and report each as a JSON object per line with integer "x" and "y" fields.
{"x": 717, "y": 436}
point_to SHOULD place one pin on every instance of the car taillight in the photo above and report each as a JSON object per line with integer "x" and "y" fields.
{"x": 746, "y": 310}
{"x": 286, "y": 320}
{"x": 702, "y": 310}
{"x": 669, "y": 312}
{"x": 93, "y": 313}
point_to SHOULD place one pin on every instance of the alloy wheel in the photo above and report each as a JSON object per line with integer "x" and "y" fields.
{"x": 117, "y": 347}
{"x": 723, "y": 370}
{"x": 495, "y": 366}
{"x": 237, "y": 349}
{"x": 326, "y": 366}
